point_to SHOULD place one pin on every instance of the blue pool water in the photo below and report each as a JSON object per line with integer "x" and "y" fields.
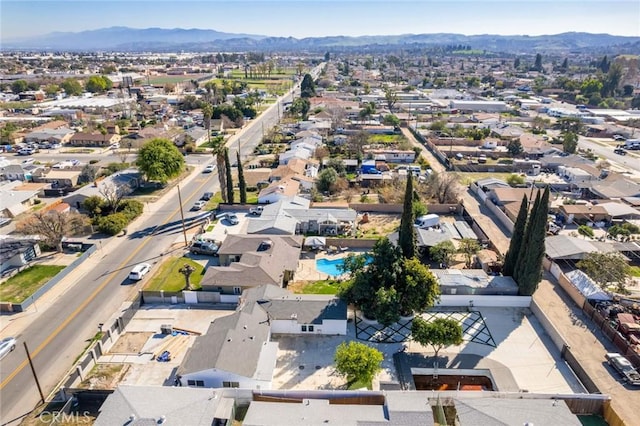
{"x": 333, "y": 267}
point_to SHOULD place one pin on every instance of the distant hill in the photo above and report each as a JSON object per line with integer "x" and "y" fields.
{"x": 165, "y": 40}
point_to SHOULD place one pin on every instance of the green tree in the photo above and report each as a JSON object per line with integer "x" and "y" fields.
{"x": 227, "y": 168}
{"x": 438, "y": 333}
{"x": 51, "y": 89}
{"x": 300, "y": 106}
{"x": 307, "y": 87}
{"x": 537, "y": 66}
{"x": 242, "y": 184}
{"x": 98, "y": 84}
{"x": 585, "y": 231}
{"x": 569, "y": 142}
{"x": 407, "y": 233}
{"x": 516, "y": 63}
{"x": 605, "y": 269}
{"x": 160, "y": 160}
{"x": 218, "y": 152}
{"x": 443, "y": 252}
{"x": 71, "y": 87}
{"x": 19, "y": 86}
{"x": 327, "y": 56}
{"x": 528, "y": 270}
{"x": 515, "y": 179}
{"x": 517, "y": 238}
{"x": 469, "y": 248}
{"x": 327, "y": 180}
{"x": 514, "y": 147}
{"x": 357, "y": 361}
{"x": 390, "y": 285}
{"x": 565, "y": 65}
{"x": 391, "y": 120}
{"x": 390, "y": 97}
{"x": 627, "y": 90}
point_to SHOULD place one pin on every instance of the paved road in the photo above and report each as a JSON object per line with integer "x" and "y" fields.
{"x": 627, "y": 162}
{"x": 57, "y": 335}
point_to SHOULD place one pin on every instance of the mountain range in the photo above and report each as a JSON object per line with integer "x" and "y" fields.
{"x": 198, "y": 40}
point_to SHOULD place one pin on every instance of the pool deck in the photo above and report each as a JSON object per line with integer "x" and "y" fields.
{"x": 307, "y": 270}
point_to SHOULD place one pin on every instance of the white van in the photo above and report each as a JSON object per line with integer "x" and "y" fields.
{"x": 427, "y": 221}
{"x": 139, "y": 271}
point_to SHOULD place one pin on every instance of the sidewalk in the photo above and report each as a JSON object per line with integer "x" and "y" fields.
{"x": 14, "y": 324}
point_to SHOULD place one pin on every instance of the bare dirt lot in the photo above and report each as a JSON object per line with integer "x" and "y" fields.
{"x": 105, "y": 376}
{"x": 378, "y": 225}
{"x": 130, "y": 343}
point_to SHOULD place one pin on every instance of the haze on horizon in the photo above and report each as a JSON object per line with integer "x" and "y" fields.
{"x": 306, "y": 18}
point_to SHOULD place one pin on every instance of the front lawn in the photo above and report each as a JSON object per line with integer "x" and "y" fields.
{"x": 22, "y": 285}
{"x": 252, "y": 198}
{"x": 634, "y": 271}
{"x": 168, "y": 277}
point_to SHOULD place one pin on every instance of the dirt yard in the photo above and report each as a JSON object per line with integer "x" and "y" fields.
{"x": 105, "y": 376}
{"x": 379, "y": 225}
{"x": 130, "y": 343}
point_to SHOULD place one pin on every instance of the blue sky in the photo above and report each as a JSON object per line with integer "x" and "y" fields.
{"x": 307, "y": 18}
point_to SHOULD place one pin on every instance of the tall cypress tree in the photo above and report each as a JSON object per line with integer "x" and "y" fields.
{"x": 522, "y": 253}
{"x": 515, "y": 245}
{"x": 532, "y": 273}
{"x": 407, "y": 233}
{"x": 242, "y": 184}
{"x": 227, "y": 167}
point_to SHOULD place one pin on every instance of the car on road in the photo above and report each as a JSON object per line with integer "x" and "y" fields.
{"x": 207, "y": 196}
{"x": 209, "y": 169}
{"x": 28, "y": 161}
{"x": 256, "y": 211}
{"x": 619, "y": 138}
{"x": 624, "y": 367}
{"x": 620, "y": 151}
{"x": 8, "y": 344}
{"x": 204, "y": 247}
{"x": 139, "y": 271}
{"x": 233, "y": 219}
{"x": 26, "y": 151}
{"x": 199, "y": 205}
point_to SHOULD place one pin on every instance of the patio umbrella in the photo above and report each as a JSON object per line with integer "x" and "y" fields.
{"x": 315, "y": 242}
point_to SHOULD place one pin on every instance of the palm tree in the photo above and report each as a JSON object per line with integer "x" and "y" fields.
{"x": 218, "y": 152}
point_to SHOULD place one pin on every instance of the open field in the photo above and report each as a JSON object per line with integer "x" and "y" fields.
{"x": 22, "y": 285}
{"x": 172, "y": 79}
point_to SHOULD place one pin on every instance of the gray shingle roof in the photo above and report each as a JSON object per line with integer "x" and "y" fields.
{"x": 178, "y": 405}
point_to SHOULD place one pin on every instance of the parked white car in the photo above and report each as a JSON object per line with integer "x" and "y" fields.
{"x": 139, "y": 271}
{"x": 199, "y": 205}
{"x": 8, "y": 344}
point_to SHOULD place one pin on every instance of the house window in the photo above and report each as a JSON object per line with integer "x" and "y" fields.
{"x": 306, "y": 328}
{"x": 303, "y": 328}
{"x": 237, "y": 290}
{"x": 310, "y": 328}
{"x": 196, "y": 383}
{"x": 230, "y": 384}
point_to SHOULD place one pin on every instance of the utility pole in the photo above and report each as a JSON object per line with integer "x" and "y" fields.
{"x": 33, "y": 370}
{"x": 184, "y": 230}
{"x": 239, "y": 152}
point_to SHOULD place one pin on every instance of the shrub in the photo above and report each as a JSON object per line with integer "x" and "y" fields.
{"x": 131, "y": 209}
{"x": 112, "y": 224}
{"x": 94, "y": 161}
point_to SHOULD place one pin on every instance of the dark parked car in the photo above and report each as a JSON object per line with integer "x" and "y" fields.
{"x": 207, "y": 196}
{"x": 204, "y": 247}
{"x": 620, "y": 151}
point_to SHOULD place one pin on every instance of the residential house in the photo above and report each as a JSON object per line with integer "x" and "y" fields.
{"x": 13, "y": 200}
{"x": 582, "y": 213}
{"x": 12, "y": 172}
{"x": 564, "y": 247}
{"x": 127, "y": 180}
{"x": 293, "y": 215}
{"x": 93, "y": 139}
{"x": 300, "y": 153}
{"x": 393, "y": 155}
{"x": 17, "y": 252}
{"x": 236, "y": 351}
{"x": 195, "y": 135}
{"x": 59, "y": 135}
{"x": 252, "y": 260}
{"x": 613, "y": 187}
{"x": 277, "y": 190}
{"x": 59, "y": 178}
{"x": 154, "y": 405}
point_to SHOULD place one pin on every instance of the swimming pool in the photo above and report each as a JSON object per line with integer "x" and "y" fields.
{"x": 333, "y": 267}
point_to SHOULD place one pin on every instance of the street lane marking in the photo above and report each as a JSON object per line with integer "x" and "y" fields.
{"x": 93, "y": 295}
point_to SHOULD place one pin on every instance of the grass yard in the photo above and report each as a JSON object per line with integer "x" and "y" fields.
{"x": 168, "y": 277}
{"x": 320, "y": 287}
{"x": 22, "y": 285}
{"x": 387, "y": 139}
{"x": 172, "y": 79}
{"x": 634, "y": 271}
{"x": 252, "y": 198}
